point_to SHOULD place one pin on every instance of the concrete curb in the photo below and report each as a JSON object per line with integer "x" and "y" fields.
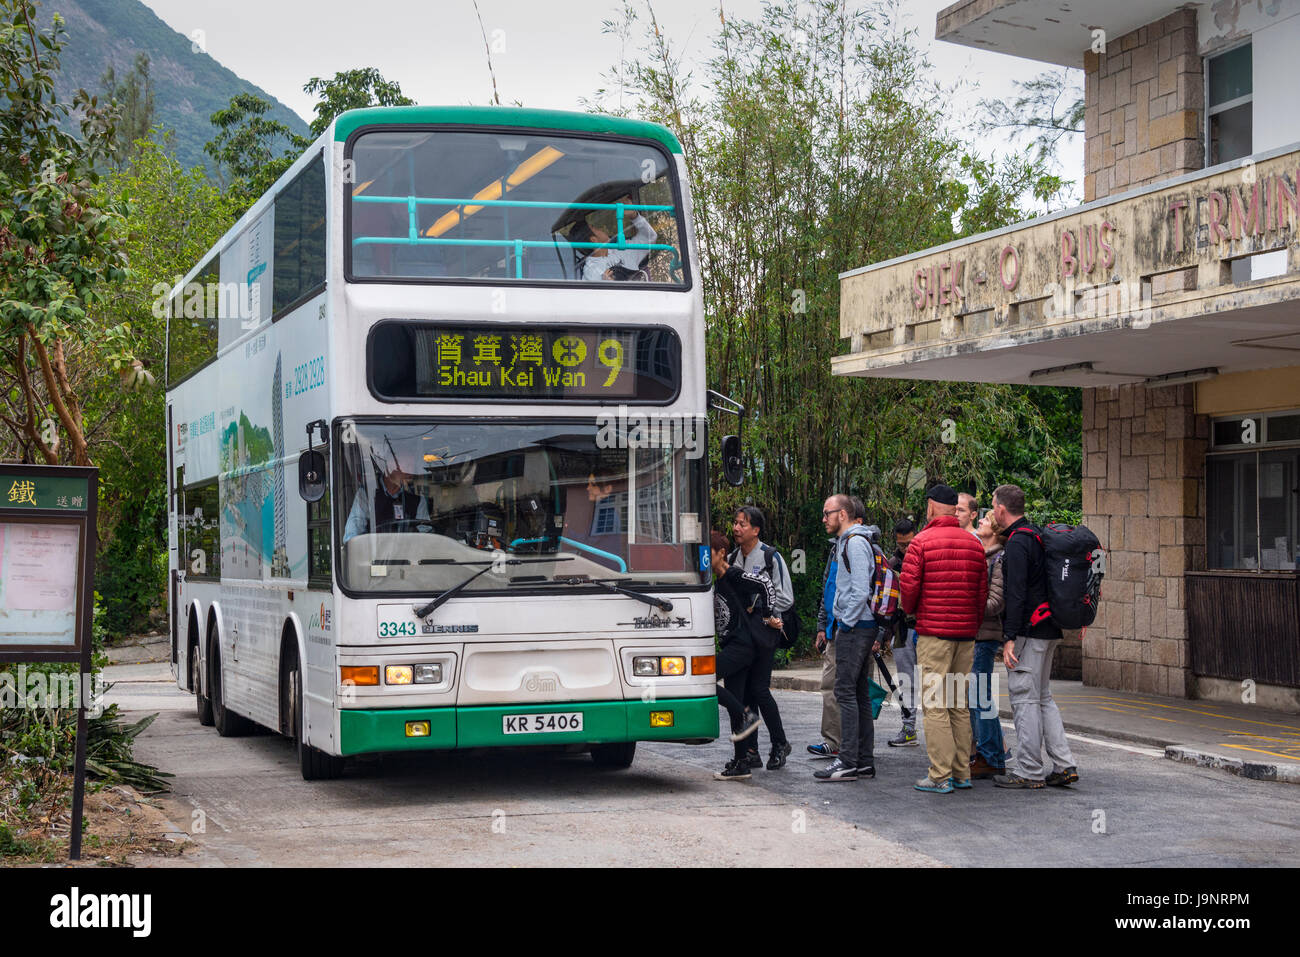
{"x": 795, "y": 682}
{"x": 1284, "y": 772}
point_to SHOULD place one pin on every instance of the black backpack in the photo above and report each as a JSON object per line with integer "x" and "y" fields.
{"x": 790, "y": 623}
{"x": 1074, "y": 564}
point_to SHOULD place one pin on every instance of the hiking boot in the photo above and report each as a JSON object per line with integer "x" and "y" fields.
{"x": 753, "y": 760}
{"x": 748, "y": 725}
{"x": 941, "y": 787}
{"x": 837, "y": 770}
{"x": 734, "y": 771}
{"x": 980, "y": 769}
{"x": 904, "y": 739}
{"x": 777, "y": 758}
{"x": 1013, "y": 780}
{"x": 1061, "y": 779}
{"x": 823, "y": 750}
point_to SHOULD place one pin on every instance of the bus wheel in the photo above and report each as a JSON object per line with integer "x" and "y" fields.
{"x": 229, "y": 724}
{"x": 617, "y": 755}
{"x": 314, "y": 763}
{"x": 204, "y": 703}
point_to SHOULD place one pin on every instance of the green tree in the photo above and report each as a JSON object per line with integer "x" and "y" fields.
{"x": 133, "y": 96}
{"x": 176, "y": 215}
{"x": 352, "y": 90}
{"x": 817, "y": 143}
{"x": 251, "y": 149}
{"x": 60, "y": 244}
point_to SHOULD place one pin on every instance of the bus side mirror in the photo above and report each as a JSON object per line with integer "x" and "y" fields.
{"x": 311, "y": 476}
{"x": 733, "y": 468}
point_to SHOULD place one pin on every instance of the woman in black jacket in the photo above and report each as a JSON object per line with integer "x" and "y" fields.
{"x": 734, "y": 595}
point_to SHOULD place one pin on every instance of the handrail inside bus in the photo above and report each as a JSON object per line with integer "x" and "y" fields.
{"x": 581, "y": 546}
{"x": 413, "y": 237}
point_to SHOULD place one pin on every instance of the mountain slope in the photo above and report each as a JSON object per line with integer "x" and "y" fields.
{"x": 188, "y": 86}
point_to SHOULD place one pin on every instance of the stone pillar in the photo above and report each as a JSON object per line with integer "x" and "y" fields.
{"x": 1144, "y": 103}
{"x": 1144, "y": 496}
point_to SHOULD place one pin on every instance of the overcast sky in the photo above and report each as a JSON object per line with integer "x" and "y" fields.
{"x": 547, "y": 53}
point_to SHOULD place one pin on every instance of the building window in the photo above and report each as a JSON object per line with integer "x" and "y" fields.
{"x": 610, "y": 515}
{"x": 1252, "y": 496}
{"x": 1229, "y": 94}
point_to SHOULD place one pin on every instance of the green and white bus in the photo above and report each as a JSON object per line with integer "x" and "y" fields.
{"x": 436, "y": 445}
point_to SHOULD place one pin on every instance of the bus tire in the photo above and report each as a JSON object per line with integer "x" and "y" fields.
{"x": 314, "y": 763}
{"x": 203, "y": 702}
{"x": 229, "y": 724}
{"x": 618, "y": 755}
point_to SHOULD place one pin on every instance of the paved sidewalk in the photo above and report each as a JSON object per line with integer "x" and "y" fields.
{"x": 1240, "y": 738}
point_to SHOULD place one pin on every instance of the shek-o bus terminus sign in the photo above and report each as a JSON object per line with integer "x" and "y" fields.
{"x": 47, "y": 560}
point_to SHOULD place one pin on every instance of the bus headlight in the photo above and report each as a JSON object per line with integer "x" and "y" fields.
{"x": 645, "y": 667}
{"x": 672, "y": 666}
{"x": 397, "y": 675}
{"x": 429, "y": 674}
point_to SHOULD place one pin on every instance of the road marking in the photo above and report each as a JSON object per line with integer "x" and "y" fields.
{"x": 1132, "y": 748}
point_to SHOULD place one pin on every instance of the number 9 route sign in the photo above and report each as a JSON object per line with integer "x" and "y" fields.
{"x": 413, "y": 361}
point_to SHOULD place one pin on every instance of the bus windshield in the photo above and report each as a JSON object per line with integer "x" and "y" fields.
{"x": 424, "y": 505}
{"x": 519, "y": 205}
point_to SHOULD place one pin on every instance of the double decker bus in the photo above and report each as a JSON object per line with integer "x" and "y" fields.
{"x": 437, "y": 456}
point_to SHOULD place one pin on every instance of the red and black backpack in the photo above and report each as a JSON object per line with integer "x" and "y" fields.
{"x": 1074, "y": 564}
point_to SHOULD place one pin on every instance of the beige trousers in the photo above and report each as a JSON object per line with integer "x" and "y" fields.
{"x": 942, "y": 667}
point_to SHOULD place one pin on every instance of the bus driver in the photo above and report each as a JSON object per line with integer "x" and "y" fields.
{"x": 390, "y": 502}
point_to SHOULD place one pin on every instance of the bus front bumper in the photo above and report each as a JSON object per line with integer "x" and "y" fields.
{"x": 694, "y": 721}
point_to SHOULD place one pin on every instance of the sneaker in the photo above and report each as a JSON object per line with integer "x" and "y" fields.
{"x": 777, "y": 758}
{"x": 734, "y": 771}
{"x": 748, "y": 725}
{"x": 837, "y": 770}
{"x": 904, "y": 739}
{"x": 980, "y": 769}
{"x": 961, "y": 784}
{"x": 866, "y": 771}
{"x": 823, "y": 750}
{"x": 925, "y": 784}
{"x": 1013, "y": 780}
{"x": 1061, "y": 779}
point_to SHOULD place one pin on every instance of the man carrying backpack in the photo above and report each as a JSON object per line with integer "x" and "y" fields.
{"x": 855, "y": 635}
{"x": 1029, "y": 635}
{"x": 756, "y": 558}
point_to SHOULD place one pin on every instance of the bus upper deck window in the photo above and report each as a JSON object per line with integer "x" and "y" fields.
{"x": 456, "y": 205}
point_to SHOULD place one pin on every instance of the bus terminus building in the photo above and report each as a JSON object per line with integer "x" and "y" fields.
{"x": 1172, "y": 299}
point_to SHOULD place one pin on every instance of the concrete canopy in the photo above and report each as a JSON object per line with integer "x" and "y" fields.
{"x": 1052, "y": 31}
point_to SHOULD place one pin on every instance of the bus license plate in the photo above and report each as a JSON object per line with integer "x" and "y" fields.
{"x": 541, "y": 723}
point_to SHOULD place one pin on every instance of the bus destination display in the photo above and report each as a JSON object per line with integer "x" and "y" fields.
{"x": 417, "y": 360}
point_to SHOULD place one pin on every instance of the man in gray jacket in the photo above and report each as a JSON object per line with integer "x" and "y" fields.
{"x": 830, "y": 743}
{"x": 855, "y": 635}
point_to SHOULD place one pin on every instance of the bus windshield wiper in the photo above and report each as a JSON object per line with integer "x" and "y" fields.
{"x": 660, "y": 603}
{"x": 426, "y": 610}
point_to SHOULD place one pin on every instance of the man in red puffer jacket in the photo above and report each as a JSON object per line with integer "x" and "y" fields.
{"x": 945, "y": 584}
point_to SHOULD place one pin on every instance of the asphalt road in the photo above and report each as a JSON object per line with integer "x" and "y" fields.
{"x": 246, "y": 805}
